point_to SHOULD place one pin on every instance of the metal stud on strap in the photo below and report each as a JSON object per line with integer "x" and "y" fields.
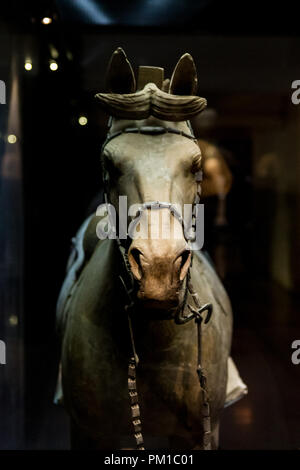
{"x": 135, "y": 409}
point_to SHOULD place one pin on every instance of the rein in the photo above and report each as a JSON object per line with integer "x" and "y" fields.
{"x": 196, "y": 311}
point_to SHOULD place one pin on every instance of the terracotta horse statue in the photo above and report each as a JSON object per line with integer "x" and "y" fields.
{"x": 129, "y": 352}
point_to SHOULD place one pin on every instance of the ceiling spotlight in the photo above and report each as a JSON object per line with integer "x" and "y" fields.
{"x": 28, "y": 65}
{"x": 53, "y": 65}
{"x": 47, "y": 20}
{"x": 11, "y": 138}
{"x": 83, "y": 120}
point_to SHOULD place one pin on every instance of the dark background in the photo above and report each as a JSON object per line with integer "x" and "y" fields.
{"x": 247, "y": 56}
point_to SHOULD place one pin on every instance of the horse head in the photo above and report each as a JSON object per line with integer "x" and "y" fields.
{"x": 151, "y": 156}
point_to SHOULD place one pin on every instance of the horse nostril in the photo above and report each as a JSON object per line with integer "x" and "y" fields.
{"x": 135, "y": 262}
{"x": 185, "y": 263}
{"x": 135, "y": 253}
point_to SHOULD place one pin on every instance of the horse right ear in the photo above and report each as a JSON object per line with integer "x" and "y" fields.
{"x": 119, "y": 76}
{"x": 184, "y": 78}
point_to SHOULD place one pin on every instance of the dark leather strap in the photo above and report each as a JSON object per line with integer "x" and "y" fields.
{"x": 151, "y": 130}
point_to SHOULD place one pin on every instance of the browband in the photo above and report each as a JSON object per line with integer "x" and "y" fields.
{"x": 151, "y": 130}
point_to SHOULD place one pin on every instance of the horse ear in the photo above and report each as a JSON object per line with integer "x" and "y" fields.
{"x": 119, "y": 76}
{"x": 184, "y": 78}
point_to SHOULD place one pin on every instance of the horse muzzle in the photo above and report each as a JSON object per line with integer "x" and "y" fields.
{"x": 159, "y": 269}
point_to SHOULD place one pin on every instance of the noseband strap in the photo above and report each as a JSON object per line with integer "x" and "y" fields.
{"x": 157, "y": 205}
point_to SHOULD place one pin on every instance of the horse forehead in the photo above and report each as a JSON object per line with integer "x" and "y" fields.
{"x": 139, "y": 146}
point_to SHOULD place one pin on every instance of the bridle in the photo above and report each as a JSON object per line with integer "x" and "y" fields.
{"x": 195, "y": 312}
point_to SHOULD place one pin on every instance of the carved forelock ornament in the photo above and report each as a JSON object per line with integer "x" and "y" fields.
{"x": 177, "y": 104}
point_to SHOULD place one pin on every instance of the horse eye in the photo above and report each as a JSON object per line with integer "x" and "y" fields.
{"x": 196, "y": 163}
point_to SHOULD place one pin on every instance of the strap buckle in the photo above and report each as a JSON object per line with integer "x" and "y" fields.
{"x": 198, "y": 313}
{"x": 195, "y": 314}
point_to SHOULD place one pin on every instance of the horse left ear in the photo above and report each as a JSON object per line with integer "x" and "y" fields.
{"x": 119, "y": 76}
{"x": 184, "y": 78}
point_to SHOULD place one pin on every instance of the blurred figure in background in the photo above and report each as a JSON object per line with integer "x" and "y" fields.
{"x": 216, "y": 184}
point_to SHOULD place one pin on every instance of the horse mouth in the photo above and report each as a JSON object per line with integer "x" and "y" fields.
{"x": 157, "y": 309}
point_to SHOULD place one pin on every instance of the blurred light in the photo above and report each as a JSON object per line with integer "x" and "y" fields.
{"x": 69, "y": 55}
{"x": 53, "y": 65}
{"x": 28, "y": 65}
{"x": 46, "y": 20}
{"x": 13, "y": 320}
{"x": 11, "y": 138}
{"x": 83, "y": 120}
{"x": 53, "y": 51}
{"x": 92, "y": 11}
